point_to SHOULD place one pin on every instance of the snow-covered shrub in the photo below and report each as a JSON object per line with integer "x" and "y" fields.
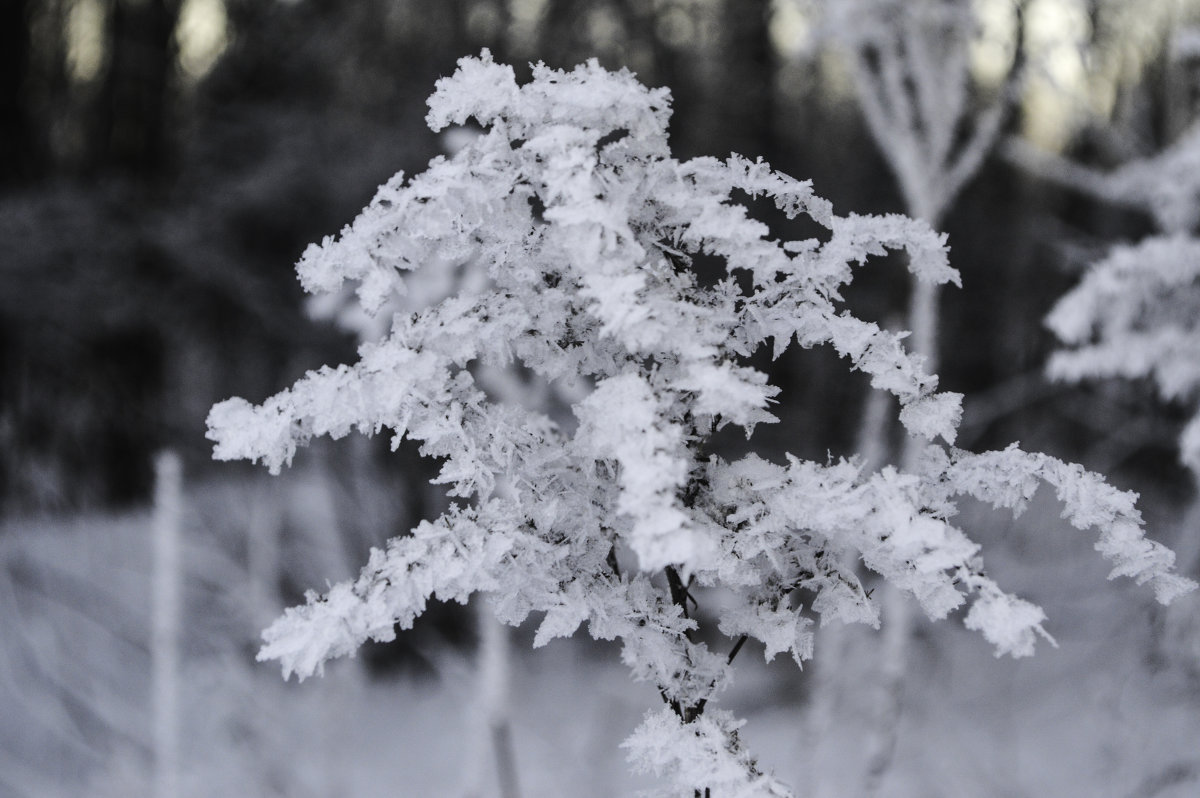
{"x": 587, "y": 227}
{"x": 1136, "y": 315}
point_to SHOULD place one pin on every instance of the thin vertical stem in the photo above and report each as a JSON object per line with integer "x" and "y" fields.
{"x": 495, "y": 678}
{"x": 165, "y": 621}
{"x": 492, "y": 708}
{"x": 924, "y": 314}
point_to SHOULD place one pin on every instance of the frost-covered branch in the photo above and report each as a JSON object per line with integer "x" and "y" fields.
{"x": 1165, "y": 185}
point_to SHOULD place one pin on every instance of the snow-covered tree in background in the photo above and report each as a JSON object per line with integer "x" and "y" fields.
{"x": 928, "y": 116}
{"x": 1135, "y": 314}
{"x": 620, "y": 517}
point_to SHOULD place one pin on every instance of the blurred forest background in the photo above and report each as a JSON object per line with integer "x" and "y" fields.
{"x": 164, "y": 162}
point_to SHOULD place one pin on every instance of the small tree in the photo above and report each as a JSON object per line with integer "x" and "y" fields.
{"x": 587, "y": 228}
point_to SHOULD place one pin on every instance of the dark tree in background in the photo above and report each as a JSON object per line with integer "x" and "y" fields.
{"x": 17, "y": 135}
{"x": 132, "y": 131}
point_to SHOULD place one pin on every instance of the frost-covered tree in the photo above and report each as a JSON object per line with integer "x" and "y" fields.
{"x": 620, "y": 516}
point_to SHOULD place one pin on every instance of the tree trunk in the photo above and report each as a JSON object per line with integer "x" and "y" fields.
{"x": 748, "y": 93}
{"x": 166, "y": 615}
{"x": 18, "y": 155}
{"x": 132, "y": 125}
{"x": 490, "y": 713}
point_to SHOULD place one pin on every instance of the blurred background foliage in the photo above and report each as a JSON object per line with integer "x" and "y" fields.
{"x": 163, "y": 163}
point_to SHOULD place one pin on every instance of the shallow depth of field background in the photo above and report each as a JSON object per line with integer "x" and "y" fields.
{"x": 162, "y": 165}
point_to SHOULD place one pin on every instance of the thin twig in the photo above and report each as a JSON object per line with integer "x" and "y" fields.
{"x": 736, "y": 648}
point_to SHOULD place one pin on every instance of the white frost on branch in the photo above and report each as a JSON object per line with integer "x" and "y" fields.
{"x": 706, "y": 751}
{"x": 579, "y": 230}
{"x": 449, "y": 559}
{"x": 1165, "y": 185}
{"x": 622, "y": 422}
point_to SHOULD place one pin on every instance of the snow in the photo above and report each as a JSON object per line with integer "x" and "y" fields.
{"x": 1091, "y": 717}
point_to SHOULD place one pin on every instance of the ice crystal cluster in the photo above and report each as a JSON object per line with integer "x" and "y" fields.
{"x": 586, "y": 229}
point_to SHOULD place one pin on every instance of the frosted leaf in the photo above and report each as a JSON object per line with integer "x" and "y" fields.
{"x": 381, "y": 390}
{"x": 706, "y": 751}
{"x": 739, "y": 395}
{"x": 561, "y": 621}
{"x": 782, "y": 630}
{"x": 1006, "y": 479}
{"x": 927, "y": 258}
{"x": 448, "y": 559}
{"x": 479, "y": 88}
{"x": 792, "y": 196}
{"x": 932, "y": 416}
{"x": 1010, "y": 624}
{"x": 251, "y": 433}
{"x": 844, "y": 599}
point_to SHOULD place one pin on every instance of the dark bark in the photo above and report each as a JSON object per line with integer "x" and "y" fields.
{"x": 18, "y": 155}
{"x": 132, "y": 132}
{"x": 747, "y": 90}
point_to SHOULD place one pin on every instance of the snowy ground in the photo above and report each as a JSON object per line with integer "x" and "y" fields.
{"x": 1113, "y": 711}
